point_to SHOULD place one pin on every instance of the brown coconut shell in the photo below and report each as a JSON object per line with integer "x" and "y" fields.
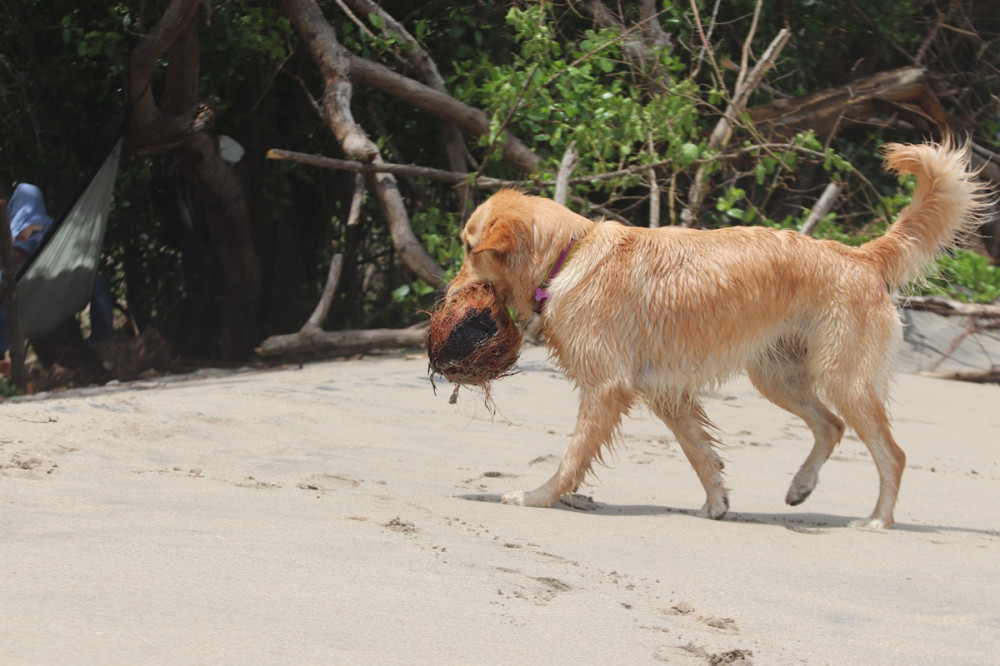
{"x": 473, "y": 340}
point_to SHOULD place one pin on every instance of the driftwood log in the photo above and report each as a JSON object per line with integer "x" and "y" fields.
{"x": 990, "y": 376}
{"x": 312, "y": 338}
{"x": 946, "y": 306}
{"x": 904, "y": 92}
{"x": 343, "y": 342}
{"x": 983, "y": 317}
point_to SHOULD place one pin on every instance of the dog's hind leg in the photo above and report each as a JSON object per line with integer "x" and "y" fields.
{"x": 866, "y": 414}
{"x": 600, "y": 414}
{"x": 783, "y": 378}
{"x": 687, "y": 420}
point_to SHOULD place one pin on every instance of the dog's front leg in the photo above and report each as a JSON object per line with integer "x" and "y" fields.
{"x": 600, "y": 414}
{"x": 687, "y": 419}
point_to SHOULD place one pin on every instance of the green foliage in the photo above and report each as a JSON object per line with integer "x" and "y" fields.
{"x": 437, "y": 230}
{"x": 727, "y": 203}
{"x": 965, "y": 276}
{"x": 580, "y": 90}
{"x": 7, "y": 388}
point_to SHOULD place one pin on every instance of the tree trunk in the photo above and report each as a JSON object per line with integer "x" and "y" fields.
{"x": 441, "y": 105}
{"x": 224, "y": 207}
{"x": 335, "y": 64}
{"x": 177, "y": 123}
{"x": 454, "y": 145}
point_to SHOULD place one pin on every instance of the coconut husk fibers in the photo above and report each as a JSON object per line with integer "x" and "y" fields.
{"x": 472, "y": 338}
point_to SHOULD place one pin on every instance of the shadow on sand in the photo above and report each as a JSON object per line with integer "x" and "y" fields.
{"x": 805, "y": 523}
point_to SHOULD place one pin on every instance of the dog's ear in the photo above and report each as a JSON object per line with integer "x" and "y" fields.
{"x": 504, "y": 236}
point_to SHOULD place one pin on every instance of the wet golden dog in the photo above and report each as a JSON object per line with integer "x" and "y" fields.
{"x": 656, "y": 316}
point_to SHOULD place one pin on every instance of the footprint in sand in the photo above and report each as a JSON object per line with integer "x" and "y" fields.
{"x": 327, "y": 482}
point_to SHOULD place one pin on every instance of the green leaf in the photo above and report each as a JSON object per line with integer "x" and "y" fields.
{"x": 689, "y": 153}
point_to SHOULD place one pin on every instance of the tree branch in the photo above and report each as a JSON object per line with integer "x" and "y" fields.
{"x": 453, "y": 177}
{"x": 149, "y": 124}
{"x": 724, "y": 128}
{"x": 442, "y": 106}
{"x": 431, "y": 75}
{"x": 565, "y": 169}
{"x": 821, "y": 208}
{"x": 905, "y": 91}
{"x": 315, "y": 320}
{"x": 487, "y": 182}
{"x": 176, "y": 123}
{"x": 337, "y": 66}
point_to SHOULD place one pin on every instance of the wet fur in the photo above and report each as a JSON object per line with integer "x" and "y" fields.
{"x": 659, "y": 315}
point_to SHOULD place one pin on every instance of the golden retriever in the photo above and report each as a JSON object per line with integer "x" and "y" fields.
{"x": 657, "y": 315}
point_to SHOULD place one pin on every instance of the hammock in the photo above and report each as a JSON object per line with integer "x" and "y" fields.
{"x": 58, "y": 279}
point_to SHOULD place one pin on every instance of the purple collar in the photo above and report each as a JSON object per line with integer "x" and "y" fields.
{"x": 542, "y": 293}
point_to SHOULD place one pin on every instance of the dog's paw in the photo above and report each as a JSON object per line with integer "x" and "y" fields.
{"x": 871, "y": 523}
{"x": 516, "y": 498}
{"x": 540, "y": 498}
{"x": 715, "y": 510}
{"x": 798, "y": 492}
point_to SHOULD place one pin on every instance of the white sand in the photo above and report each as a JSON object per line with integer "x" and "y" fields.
{"x": 342, "y": 513}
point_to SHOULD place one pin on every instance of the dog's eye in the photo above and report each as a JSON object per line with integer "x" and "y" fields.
{"x": 468, "y": 247}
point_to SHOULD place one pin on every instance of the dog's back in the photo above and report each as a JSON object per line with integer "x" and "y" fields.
{"x": 677, "y": 309}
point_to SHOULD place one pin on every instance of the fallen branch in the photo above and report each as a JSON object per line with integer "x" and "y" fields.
{"x": 979, "y": 376}
{"x": 948, "y": 307}
{"x": 312, "y": 338}
{"x": 343, "y": 342}
{"x": 904, "y": 91}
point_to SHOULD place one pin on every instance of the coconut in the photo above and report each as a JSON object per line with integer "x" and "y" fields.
{"x": 473, "y": 340}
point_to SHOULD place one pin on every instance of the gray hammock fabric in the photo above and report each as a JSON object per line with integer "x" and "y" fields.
{"x": 59, "y": 279}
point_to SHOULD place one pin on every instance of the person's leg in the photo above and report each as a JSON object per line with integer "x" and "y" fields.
{"x": 101, "y": 311}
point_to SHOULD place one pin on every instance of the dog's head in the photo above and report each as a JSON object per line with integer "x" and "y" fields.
{"x": 497, "y": 240}
{"x": 511, "y": 241}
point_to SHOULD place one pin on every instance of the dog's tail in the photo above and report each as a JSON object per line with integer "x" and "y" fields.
{"x": 947, "y": 204}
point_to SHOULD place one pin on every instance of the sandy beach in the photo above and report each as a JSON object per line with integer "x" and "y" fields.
{"x": 342, "y": 512}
